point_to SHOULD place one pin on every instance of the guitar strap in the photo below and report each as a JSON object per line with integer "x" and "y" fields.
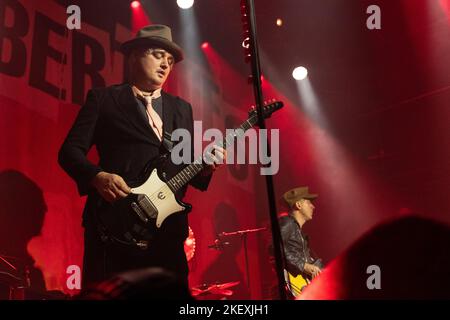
{"x": 167, "y": 141}
{"x": 168, "y": 128}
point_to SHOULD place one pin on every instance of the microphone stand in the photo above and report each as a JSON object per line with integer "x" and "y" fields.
{"x": 9, "y": 264}
{"x": 243, "y": 234}
{"x": 252, "y": 55}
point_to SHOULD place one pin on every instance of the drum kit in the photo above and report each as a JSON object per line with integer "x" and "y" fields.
{"x": 11, "y": 278}
{"x": 221, "y": 289}
{"x": 19, "y": 282}
{"x": 16, "y": 282}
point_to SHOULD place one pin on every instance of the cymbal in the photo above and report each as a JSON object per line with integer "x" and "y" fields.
{"x": 215, "y": 288}
{"x": 227, "y": 284}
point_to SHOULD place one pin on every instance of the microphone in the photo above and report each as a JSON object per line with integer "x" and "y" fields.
{"x": 218, "y": 244}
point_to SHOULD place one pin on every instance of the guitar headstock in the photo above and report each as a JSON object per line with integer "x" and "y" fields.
{"x": 268, "y": 108}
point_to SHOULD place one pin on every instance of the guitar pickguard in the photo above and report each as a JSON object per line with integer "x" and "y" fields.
{"x": 160, "y": 195}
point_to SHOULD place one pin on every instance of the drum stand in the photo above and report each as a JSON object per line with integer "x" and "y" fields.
{"x": 17, "y": 285}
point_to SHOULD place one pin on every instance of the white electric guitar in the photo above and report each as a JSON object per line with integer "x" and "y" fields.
{"x": 135, "y": 219}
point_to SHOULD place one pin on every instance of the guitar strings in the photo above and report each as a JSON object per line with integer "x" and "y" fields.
{"x": 182, "y": 178}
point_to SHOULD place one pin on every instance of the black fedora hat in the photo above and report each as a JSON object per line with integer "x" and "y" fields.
{"x": 154, "y": 35}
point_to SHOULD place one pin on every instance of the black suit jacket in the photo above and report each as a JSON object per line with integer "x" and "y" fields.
{"x": 111, "y": 120}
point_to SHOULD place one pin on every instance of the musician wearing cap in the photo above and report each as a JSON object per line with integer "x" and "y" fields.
{"x": 301, "y": 265}
{"x": 129, "y": 123}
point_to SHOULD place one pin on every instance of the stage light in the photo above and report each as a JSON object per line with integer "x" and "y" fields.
{"x": 279, "y": 22}
{"x": 135, "y": 4}
{"x": 185, "y": 4}
{"x": 300, "y": 73}
{"x": 205, "y": 45}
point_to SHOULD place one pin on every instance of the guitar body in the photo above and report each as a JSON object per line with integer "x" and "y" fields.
{"x": 135, "y": 220}
{"x": 295, "y": 285}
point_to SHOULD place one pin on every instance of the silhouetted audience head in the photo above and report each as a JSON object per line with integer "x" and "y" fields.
{"x": 142, "y": 284}
{"x": 22, "y": 212}
{"x": 412, "y": 254}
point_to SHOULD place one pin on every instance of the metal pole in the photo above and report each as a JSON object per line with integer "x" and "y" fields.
{"x": 256, "y": 72}
{"x": 246, "y": 265}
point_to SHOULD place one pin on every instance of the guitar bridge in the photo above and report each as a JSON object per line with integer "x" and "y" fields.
{"x": 144, "y": 208}
{"x": 139, "y": 212}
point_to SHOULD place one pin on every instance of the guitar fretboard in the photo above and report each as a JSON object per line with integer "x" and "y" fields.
{"x": 190, "y": 171}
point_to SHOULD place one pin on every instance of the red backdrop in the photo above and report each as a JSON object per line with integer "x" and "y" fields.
{"x": 45, "y": 72}
{"x": 46, "y": 69}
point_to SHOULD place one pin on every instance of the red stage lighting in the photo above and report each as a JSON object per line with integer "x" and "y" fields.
{"x": 205, "y": 45}
{"x": 135, "y": 4}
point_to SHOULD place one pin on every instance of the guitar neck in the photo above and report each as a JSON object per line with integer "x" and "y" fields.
{"x": 190, "y": 171}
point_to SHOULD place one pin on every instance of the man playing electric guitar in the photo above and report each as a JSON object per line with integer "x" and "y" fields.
{"x": 128, "y": 124}
{"x": 300, "y": 265}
